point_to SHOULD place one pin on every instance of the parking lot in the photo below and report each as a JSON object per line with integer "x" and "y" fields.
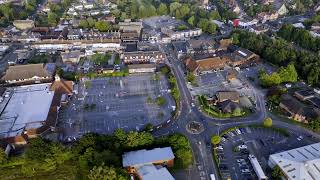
{"x": 235, "y": 148}
{"x": 210, "y": 83}
{"x": 119, "y": 102}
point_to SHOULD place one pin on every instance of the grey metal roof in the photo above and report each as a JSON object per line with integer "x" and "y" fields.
{"x": 143, "y": 157}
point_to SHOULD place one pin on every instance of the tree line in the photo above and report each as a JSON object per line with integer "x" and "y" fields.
{"x": 92, "y": 157}
{"x": 281, "y": 53}
{"x": 300, "y": 36}
{"x": 284, "y": 74}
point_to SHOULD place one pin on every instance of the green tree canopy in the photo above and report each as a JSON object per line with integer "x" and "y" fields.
{"x": 215, "y": 140}
{"x": 105, "y": 173}
{"x": 267, "y": 122}
{"x": 162, "y": 9}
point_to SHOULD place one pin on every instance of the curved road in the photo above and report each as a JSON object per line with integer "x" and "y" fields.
{"x": 200, "y": 143}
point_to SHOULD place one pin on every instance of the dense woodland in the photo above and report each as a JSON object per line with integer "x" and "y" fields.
{"x": 92, "y": 157}
{"x": 281, "y": 53}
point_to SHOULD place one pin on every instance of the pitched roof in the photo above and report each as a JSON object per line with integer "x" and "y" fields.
{"x": 61, "y": 86}
{"x": 228, "y": 106}
{"x": 210, "y": 63}
{"x": 150, "y": 172}
{"x": 191, "y": 64}
{"x": 228, "y": 95}
{"x": 25, "y": 72}
{"x": 144, "y": 157}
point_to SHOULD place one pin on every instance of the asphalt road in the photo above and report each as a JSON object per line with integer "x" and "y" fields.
{"x": 200, "y": 143}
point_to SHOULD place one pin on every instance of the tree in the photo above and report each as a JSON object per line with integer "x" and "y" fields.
{"x": 83, "y": 24}
{"x": 52, "y": 18}
{"x": 214, "y": 15}
{"x": 160, "y": 101}
{"x": 211, "y": 28}
{"x": 102, "y": 26}
{"x": 105, "y": 173}
{"x": 191, "y": 20}
{"x": 162, "y": 9}
{"x": 237, "y": 112}
{"x": 215, "y": 140}
{"x": 267, "y": 122}
{"x": 3, "y": 156}
{"x": 148, "y": 127}
{"x": 276, "y": 173}
{"x": 203, "y": 24}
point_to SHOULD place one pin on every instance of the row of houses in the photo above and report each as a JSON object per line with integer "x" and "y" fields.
{"x": 302, "y": 106}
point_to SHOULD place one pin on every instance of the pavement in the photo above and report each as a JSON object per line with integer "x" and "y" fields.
{"x": 200, "y": 143}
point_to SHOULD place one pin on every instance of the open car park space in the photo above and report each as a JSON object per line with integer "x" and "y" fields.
{"x": 235, "y": 148}
{"x": 118, "y": 102}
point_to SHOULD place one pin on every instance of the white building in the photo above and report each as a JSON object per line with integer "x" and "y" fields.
{"x": 257, "y": 168}
{"x": 300, "y": 163}
{"x": 24, "y": 108}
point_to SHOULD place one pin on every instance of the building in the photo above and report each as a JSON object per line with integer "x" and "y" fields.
{"x": 315, "y": 101}
{"x": 240, "y": 57}
{"x": 142, "y": 68}
{"x": 257, "y": 168}
{"x": 304, "y": 95}
{"x": 129, "y": 26}
{"x": 299, "y": 163}
{"x": 151, "y": 172}
{"x": 71, "y": 57}
{"x": 296, "y": 110}
{"x": 145, "y": 163}
{"x": 180, "y": 48}
{"x": 130, "y": 36}
{"x": 63, "y": 90}
{"x": 228, "y": 106}
{"x": 23, "y": 24}
{"x": 264, "y": 17}
{"x": 27, "y": 74}
{"x": 200, "y": 46}
{"x": 204, "y": 65}
{"x": 25, "y": 111}
{"x": 233, "y": 96}
{"x": 181, "y": 35}
{"x": 142, "y": 57}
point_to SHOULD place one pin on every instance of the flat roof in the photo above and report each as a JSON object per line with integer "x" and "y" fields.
{"x": 299, "y": 163}
{"x": 144, "y": 157}
{"x": 151, "y": 172}
{"x": 257, "y": 168}
{"x": 27, "y": 107}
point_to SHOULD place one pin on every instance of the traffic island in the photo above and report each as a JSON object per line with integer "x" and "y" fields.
{"x": 195, "y": 127}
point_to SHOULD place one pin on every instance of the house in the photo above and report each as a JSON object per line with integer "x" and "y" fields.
{"x": 149, "y": 164}
{"x": 299, "y": 163}
{"x": 200, "y": 46}
{"x": 304, "y": 95}
{"x": 232, "y": 74}
{"x": 26, "y": 112}
{"x": 224, "y": 44}
{"x": 74, "y": 34}
{"x": 110, "y": 19}
{"x": 315, "y": 101}
{"x": 228, "y": 106}
{"x": 142, "y": 57}
{"x": 282, "y": 10}
{"x": 240, "y": 57}
{"x": 27, "y": 74}
{"x": 264, "y": 16}
{"x": 141, "y": 68}
{"x": 63, "y": 89}
{"x": 315, "y": 26}
{"x": 258, "y": 29}
{"x": 181, "y": 35}
{"x": 296, "y": 110}
{"x": 129, "y": 26}
{"x": 204, "y": 65}
{"x": 71, "y": 57}
{"x": 130, "y": 36}
{"x": 266, "y": 2}
{"x": 180, "y": 48}
{"x": 23, "y": 24}
{"x": 233, "y": 96}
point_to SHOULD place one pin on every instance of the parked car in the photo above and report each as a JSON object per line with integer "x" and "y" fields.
{"x": 245, "y": 171}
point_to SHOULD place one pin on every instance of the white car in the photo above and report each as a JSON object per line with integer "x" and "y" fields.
{"x": 238, "y": 131}
{"x": 299, "y": 138}
{"x": 193, "y": 105}
{"x": 240, "y": 160}
{"x": 220, "y": 148}
{"x": 245, "y": 171}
